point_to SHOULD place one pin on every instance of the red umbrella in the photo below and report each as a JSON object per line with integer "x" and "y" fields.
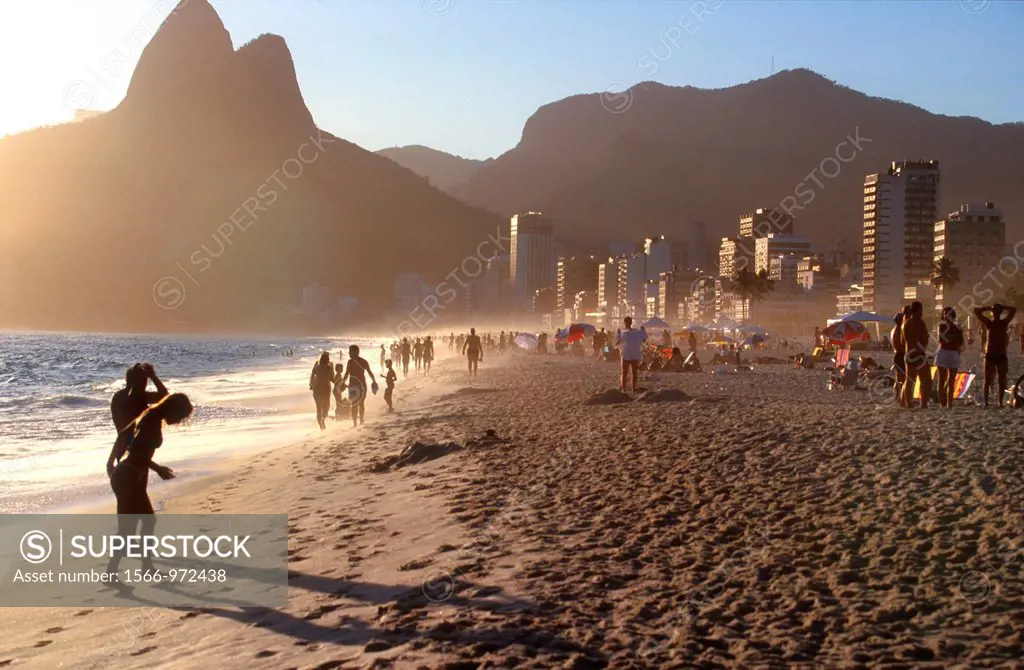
{"x": 844, "y": 332}
{"x": 578, "y": 331}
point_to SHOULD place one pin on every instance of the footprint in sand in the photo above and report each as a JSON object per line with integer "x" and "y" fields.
{"x": 55, "y": 629}
{"x": 144, "y": 650}
{"x": 265, "y": 653}
{"x": 43, "y": 643}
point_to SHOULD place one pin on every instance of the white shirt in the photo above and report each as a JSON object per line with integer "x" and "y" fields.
{"x": 632, "y": 341}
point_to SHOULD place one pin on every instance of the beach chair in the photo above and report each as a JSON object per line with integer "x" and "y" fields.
{"x": 842, "y": 357}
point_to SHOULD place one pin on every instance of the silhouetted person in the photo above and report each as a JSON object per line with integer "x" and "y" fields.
{"x": 389, "y": 384}
{"x": 947, "y": 360}
{"x": 899, "y": 354}
{"x": 128, "y": 403}
{"x": 355, "y": 376}
{"x": 915, "y": 343}
{"x": 383, "y": 357}
{"x": 321, "y": 383}
{"x": 130, "y": 476}
{"x": 473, "y": 350}
{"x": 428, "y": 353}
{"x": 406, "y": 351}
{"x": 691, "y": 340}
{"x": 339, "y": 387}
{"x": 631, "y": 343}
{"x": 997, "y": 342}
{"x": 417, "y": 353}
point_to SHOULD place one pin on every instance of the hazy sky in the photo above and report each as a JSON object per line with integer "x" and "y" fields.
{"x": 464, "y": 75}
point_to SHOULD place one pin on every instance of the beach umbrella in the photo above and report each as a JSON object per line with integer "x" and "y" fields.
{"x": 694, "y": 328}
{"x": 865, "y": 317}
{"x": 754, "y": 340}
{"x": 752, "y": 330}
{"x": 844, "y": 332}
{"x": 526, "y": 341}
{"x": 656, "y": 323}
{"x": 578, "y": 331}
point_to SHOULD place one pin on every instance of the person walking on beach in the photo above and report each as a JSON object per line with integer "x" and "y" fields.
{"x": 899, "y": 355}
{"x": 389, "y": 385}
{"x": 130, "y": 476}
{"x": 355, "y": 376}
{"x": 127, "y": 404}
{"x": 951, "y": 343}
{"x": 691, "y": 341}
{"x": 631, "y": 344}
{"x": 406, "y": 352}
{"x": 428, "y": 354}
{"x": 473, "y": 350}
{"x": 997, "y": 343}
{"x": 417, "y": 353}
{"x": 339, "y": 386}
{"x": 321, "y": 383}
{"x": 383, "y": 357}
{"x": 915, "y": 344}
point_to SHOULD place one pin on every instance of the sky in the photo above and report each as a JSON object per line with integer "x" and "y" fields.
{"x": 463, "y": 76}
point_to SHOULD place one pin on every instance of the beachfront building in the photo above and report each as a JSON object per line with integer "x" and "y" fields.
{"x": 850, "y": 300}
{"x": 735, "y": 254}
{"x": 532, "y": 258}
{"x": 498, "y": 295}
{"x": 974, "y": 239}
{"x": 697, "y": 256}
{"x": 900, "y": 210}
{"x": 662, "y": 254}
{"x": 773, "y": 245}
{"x": 608, "y": 285}
{"x": 764, "y": 221}
{"x": 632, "y": 278}
{"x": 574, "y": 274}
{"x": 818, "y": 273}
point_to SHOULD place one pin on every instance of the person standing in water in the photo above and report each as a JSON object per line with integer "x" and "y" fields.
{"x": 473, "y": 350}
{"x": 130, "y": 476}
{"x": 321, "y": 383}
{"x": 428, "y": 354}
{"x": 127, "y": 404}
{"x": 355, "y": 375}
{"x": 997, "y": 343}
{"x": 389, "y": 385}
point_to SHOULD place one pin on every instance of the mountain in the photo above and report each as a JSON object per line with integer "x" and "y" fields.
{"x": 208, "y": 199}
{"x": 610, "y": 168}
{"x": 444, "y": 171}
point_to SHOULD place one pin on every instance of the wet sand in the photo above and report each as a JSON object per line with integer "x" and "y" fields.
{"x": 742, "y": 520}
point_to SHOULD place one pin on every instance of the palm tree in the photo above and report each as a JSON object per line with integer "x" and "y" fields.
{"x": 944, "y": 275}
{"x": 752, "y": 288}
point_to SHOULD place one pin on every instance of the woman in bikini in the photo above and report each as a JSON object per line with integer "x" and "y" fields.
{"x": 130, "y": 476}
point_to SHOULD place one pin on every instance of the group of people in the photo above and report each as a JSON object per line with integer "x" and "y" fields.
{"x": 420, "y": 353}
{"x": 328, "y": 380}
{"x": 910, "y": 340}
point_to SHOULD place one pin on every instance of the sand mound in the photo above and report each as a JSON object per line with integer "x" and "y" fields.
{"x": 608, "y": 397}
{"x": 414, "y": 454}
{"x": 664, "y": 395}
{"x": 488, "y": 439}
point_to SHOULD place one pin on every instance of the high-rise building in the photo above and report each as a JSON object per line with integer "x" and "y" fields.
{"x": 773, "y": 245}
{"x": 632, "y": 277}
{"x": 697, "y": 247}
{"x": 498, "y": 295}
{"x": 765, "y": 220}
{"x": 818, "y": 273}
{"x": 662, "y": 255}
{"x": 734, "y": 255}
{"x": 900, "y": 210}
{"x": 532, "y": 259}
{"x": 608, "y": 285}
{"x": 574, "y": 274}
{"x": 974, "y": 239}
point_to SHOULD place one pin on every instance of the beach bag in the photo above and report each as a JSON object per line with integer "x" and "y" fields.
{"x": 355, "y": 391}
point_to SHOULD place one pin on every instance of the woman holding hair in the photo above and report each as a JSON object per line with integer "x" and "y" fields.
{"x": 130, "y": 476}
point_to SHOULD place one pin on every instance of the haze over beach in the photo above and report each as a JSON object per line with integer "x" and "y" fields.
{"x": 550, "y": 335}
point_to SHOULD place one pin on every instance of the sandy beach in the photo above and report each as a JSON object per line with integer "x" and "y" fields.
{"x": 742, "y": 520}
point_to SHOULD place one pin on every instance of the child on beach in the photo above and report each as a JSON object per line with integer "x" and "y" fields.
{"x": 389, "y": 381}
{"x": 339, "y": 386}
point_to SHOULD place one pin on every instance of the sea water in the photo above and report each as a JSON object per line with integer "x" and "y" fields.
{"x": 55, "y": 389}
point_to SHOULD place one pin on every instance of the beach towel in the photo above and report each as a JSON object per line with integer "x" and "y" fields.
{"x": 842, "y": 357}
{"x": 961, "y": 384}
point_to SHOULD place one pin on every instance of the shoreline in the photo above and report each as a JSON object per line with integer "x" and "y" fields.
{"x": 740, "y": 520}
